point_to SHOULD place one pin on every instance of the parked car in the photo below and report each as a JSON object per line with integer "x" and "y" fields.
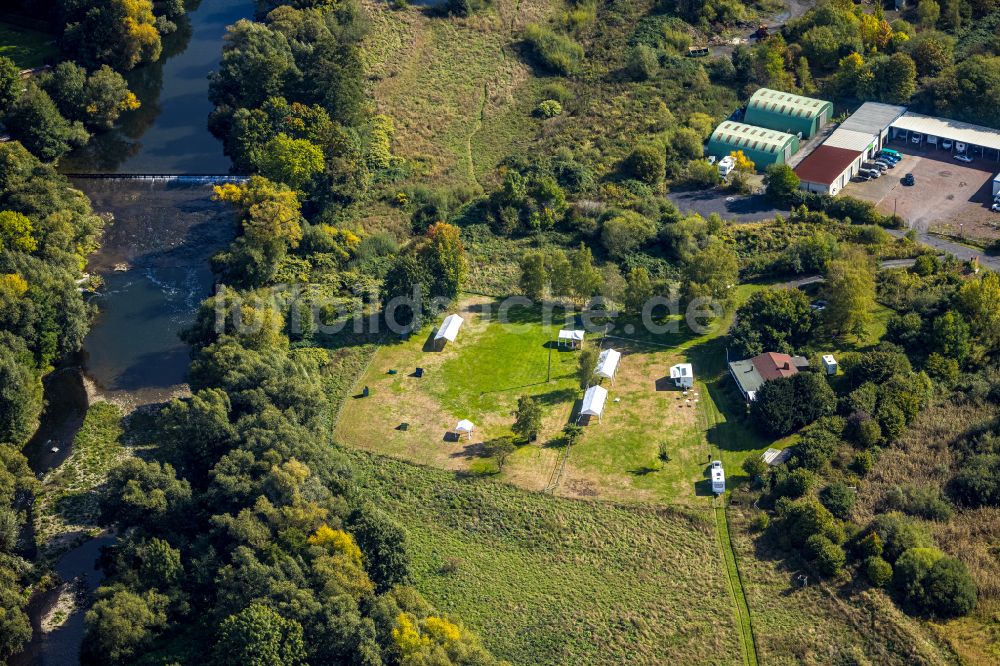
{"x": 889, "y": 164}
{"x": 995, "y": 208}
{"x": 870, "y": 173}
{"x": 916, "y": 138}
{"x": 882, "y": 168}
{"x": 894, "y": 154}
{"x": 963, "y": 158}
{"x": 908, "y": 179}
{"x": 946, "y": 144}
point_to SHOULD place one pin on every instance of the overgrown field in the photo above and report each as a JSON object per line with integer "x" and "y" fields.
{"x": 551, "y": 581}
{"x": 66, "y": 506}
{"x": 816, "y": 624}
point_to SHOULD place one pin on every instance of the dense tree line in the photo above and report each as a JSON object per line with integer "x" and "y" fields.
{"x": 243, "y": 540}
{"x": 47, "y": 229}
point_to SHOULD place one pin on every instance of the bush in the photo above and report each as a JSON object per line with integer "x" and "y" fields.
{"x": 626, "y": 232}
{"x": 797, "y": 483}
{"x": 646, "y": 164}
{"x": 643, "y": 62}
{"x": 786, "y": 404}
{"x": 549, "y": 108}
{"x": 879, "y": 571}
{"x": 930, "y": 582}
{"x": 782, "y": 182}
{"x": 978, "y": 482}
{"x": 700, "y": 174}
{"x": 555, "y": 52}
{"x": 839, "y": 499}
{"x": 828, "y": 557}
{"x": 899, "y": 534}
{"x": 924, "y": 502}
{"x": 862, "y": 463}
{"x": 557, "y": 91}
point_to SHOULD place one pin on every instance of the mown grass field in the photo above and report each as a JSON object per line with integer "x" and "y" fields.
{"x": 26, "y": 47}
{"x": 481, "y": 376}
{"x": 545, "y": 580}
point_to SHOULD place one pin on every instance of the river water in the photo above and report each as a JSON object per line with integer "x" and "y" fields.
{"x": 162, "y": 235}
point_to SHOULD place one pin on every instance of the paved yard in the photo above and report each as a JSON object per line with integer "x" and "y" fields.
{"x": 948, "y": 197}
{"x": 729, "y": 206}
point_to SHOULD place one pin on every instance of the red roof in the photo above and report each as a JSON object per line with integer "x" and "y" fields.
{"x": 825, "y": 164}
{"x": 771, "y": 365}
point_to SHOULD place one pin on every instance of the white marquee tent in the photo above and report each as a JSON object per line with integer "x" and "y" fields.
{"x": 465, "y": 427}
{"x": 607, "y": 363}
{"x": 593, "y": 401}
{"x": 448, "y": 330}
{"x": 570, "y": 338}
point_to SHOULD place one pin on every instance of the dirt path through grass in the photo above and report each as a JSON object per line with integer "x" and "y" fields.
{"x": 744, "y": 626}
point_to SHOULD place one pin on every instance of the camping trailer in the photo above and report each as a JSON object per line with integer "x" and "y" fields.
{"x": 829, "y": 364}
{"x": 718, "y": 478}
{"x": 683, "y": 375}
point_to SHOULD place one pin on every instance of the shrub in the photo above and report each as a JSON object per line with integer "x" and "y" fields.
{"x": 782, "y": 182}
{"x": 978, "y": 482}
{"x": 643, "y": 62}
{"x": 555, "y": 52}
{"x": 701, "y": 174}
{"x": 556, "y": 91}
{"x": 930, "y": 582}
{"x": 899, "y": 534}
{"x": 626, "y": 232}
{"x": 839, "y": 499}
{"x": 879, "y": 571}
{"x": 785, "y": 404}
{"x": 549, "y": 108}
{"x": 862, "y": 463}
{"x": 925, "y": 502}
{"x": 646, "y": 164}
{"x": 828, "y": 557}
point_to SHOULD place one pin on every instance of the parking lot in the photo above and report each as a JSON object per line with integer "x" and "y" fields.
{"x": 948, "y": 197}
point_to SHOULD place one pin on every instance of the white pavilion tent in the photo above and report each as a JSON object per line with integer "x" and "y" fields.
{"x": 607, "y": 364}
{"x": 465, "y": 427}
{"x": 593, "y": 402}
{"x": 448, "y": 330}
{"x": 570, "y": 338}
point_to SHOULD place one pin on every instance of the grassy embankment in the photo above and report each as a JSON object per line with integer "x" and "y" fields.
{"x": 25, "y": 46}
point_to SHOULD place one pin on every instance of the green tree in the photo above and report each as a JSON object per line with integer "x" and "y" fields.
{"x": 839, "y": 499}
{"x": 828, "y": 557}
{"x": 10, "y": 83}
{"x": 928, "y": 13}
{"x": 638, "y": 290}
{"x": 527, "y": 418}
{"x": 778, "y": 320}
{"x": 712, "y": 271}
{"x": 121, "y": 623}
{"x": 950, "y": 336}
{"x": 20, "y": 391}
{"x": 782, "y": 182}
{"x": 534, "y": 277}
{"x": 979, "y": 301}
{"x": 294, "y": 162}
{"x": 625, "y": 233}
{"x": 782, "y": 405}
{"x": 850, "y": 293}
{"x": 879, "y": 571}
{"x": 383, "y": 547}
{"x": 444, "y": 256}
{"x": 585, "y": 364}
{"x": 259, "y": 636}
{"x": 584, "y": 277}
{"x": 120, "y": 33}
{"x": 35, "y": 121}
{"x": 500, "y": 449}
{"x": 647, "y": 164}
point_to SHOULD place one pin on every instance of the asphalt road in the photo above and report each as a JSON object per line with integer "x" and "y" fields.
{"x": 753, "y": 208}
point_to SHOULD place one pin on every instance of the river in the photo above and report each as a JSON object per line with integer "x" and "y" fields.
{"x": 162, "y": 235}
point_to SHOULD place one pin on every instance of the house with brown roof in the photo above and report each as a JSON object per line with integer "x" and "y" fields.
{"x": 750, "y": 374}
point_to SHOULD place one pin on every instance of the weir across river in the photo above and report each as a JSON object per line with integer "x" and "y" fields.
{"x": 187, "y": 179}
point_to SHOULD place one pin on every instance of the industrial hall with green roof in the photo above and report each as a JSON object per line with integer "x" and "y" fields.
{"x": 762, "y": 146}
{"x": 789, "y": 113}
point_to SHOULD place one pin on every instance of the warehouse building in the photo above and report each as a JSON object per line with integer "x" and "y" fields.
{"x": 785, "y": 112}
{"x": 873, "y": 118}
{"x": 956, "y": 136}
{"x": 828, "y": 169}
{"x": 763, "y": 146}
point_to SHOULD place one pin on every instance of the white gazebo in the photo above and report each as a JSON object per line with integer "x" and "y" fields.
{"x": 448, "y": 330}
{"x": 571, "y": 338}
{"x": 607, "y": 364}
{"x": 683, "y": 375}
{"x": 593, "y": 402}
{"x": 464, "y": 427}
